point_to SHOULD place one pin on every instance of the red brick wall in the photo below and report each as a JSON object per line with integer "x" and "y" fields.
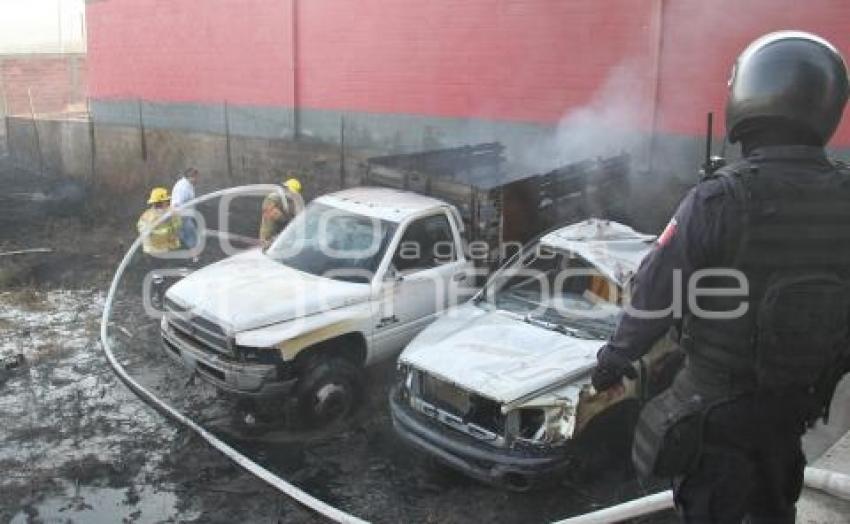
{"x": 57, "y": 83}
{"x": 514, "y": 60}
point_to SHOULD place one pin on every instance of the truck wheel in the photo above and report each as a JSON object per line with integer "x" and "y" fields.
{"x": 328, "y": 391}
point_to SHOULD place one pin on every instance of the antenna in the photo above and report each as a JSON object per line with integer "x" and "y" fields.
{"x": 710, "y": 126}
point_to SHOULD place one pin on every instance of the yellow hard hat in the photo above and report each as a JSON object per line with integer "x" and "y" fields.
{"x": 159, "y": 195}
{"x": 293, "y": 185}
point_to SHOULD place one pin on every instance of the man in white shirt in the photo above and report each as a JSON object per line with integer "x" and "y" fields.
{"x": 184, "y": 191}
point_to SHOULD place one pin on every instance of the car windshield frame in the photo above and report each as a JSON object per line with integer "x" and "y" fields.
{"x": 330, "y": 242}
{"x": 576, "y": 314}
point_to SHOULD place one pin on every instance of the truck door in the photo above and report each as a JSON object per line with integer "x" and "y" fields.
{"x": 427, "y": 270}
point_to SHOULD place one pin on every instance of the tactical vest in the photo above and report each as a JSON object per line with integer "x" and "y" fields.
{"x": 794, "y": 250}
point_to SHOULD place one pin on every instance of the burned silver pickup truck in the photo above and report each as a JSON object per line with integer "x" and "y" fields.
{"x": 499, "y": 387}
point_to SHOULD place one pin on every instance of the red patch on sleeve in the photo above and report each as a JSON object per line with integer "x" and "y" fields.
{"x": 669, "y": 232}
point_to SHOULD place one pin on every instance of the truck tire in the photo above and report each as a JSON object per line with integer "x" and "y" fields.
{"x": 328, "y": 391}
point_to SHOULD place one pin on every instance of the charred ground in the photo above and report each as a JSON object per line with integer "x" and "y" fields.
{"x": 77, "y": 445}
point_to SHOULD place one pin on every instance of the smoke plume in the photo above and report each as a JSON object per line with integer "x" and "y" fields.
{"x": 614, "y": 121}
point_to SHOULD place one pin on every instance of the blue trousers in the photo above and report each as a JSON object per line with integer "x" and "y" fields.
{"x": 189, "y": 233}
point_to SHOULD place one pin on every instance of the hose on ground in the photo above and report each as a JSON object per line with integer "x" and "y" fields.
{"x": 833, "y": 483}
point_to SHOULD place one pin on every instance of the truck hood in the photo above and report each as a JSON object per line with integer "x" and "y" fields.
{"x": 250, "y": 290}
{"x": 496, "y": 355}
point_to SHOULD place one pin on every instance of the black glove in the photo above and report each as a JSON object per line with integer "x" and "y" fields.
{"x": 610, "y": 369}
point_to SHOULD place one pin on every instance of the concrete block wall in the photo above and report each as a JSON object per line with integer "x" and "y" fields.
{"x": 54, "y": 147}
{"x": 120, "y": 166}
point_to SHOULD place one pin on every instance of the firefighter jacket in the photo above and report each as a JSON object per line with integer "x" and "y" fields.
{"x": 275, "y": 216}
{"x": 164, "y": 236}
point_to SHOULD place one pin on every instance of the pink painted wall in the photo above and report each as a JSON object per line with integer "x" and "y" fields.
{"x": 702, "y": 40}
{"x": 510, "y": 60}
{"x": 191, "y": 50}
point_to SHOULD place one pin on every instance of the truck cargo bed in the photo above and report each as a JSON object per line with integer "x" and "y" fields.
{"x": 504, "y": 204}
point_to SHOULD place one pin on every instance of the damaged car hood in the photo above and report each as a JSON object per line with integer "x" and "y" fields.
{"x": 497, "y": 355}
{"x": 614, "y": 249}
{"x": 250, "y": 290}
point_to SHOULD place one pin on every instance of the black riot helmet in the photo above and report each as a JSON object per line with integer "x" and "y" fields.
{"x": 788, "y": 76}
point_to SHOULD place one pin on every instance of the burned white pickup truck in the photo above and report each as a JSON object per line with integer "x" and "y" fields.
{"x": 331, "y": 295}
{"x": 358, "y": 274}
{"x": 499, "y": 388}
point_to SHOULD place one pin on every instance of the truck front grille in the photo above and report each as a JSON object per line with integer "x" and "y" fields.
{"x": 444, "y": 394}
{"x": 197, "y": 330}
{"x": 458, "y": 408}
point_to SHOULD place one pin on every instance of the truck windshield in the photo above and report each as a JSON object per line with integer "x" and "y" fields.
{"x": 333, "y": 243}
{"x": 559, "y": 291}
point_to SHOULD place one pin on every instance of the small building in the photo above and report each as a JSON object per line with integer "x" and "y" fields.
{"x": 42, "y": 57}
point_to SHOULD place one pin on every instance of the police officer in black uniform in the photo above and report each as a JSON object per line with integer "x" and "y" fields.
{"x": 766, "y": 340}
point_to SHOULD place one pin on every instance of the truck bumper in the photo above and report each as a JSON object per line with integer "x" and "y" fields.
{"x": 241, "y": 379}
{"x": 513, "y": 469}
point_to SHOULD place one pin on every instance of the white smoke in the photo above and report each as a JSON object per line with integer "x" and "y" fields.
{"x": 616, "y": 120}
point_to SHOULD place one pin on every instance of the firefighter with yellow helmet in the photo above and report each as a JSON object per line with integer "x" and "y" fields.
{"x": 164, "y": 236}
{"x": 277, "y": 212}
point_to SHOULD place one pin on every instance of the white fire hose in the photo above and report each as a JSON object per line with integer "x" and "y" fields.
{"x": 249, "y": 465}
{"x": 835, "y": 484}
{"x": 831, "y": 482}
{"x": 627, "y": 510}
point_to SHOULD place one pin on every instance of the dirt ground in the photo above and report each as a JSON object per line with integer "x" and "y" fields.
{"x": 78, "y": 446}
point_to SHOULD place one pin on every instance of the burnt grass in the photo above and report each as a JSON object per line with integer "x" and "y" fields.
{"x": 72, "y": 432}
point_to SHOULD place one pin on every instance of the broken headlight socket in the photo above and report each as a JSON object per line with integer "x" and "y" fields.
{"x": 539, "y": 426}
{"x": 524, "y": 423}
{"x": 531, "y": 421}
{"x": 256, "y": 355}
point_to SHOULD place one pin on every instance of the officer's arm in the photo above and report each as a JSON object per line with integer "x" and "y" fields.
{"x": 695, "y": 238}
